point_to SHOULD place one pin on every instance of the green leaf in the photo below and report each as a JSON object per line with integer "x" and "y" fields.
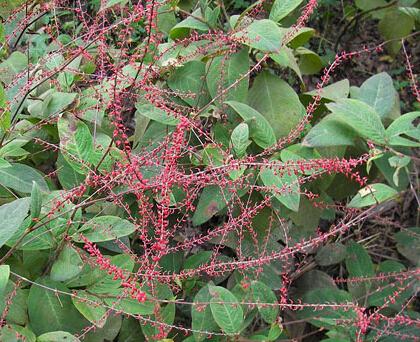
{"x": 277, "y": 102}
{"x": 76, "y": 143}
{"x": 404, "y": 126}
{"x": 68, "y": 265}
{"x": 182, "y": 29}
{"x": 285, "y": 187}
{"x": 110, "y": 3}
{"x": 358, "y": 264}
{"x": 260, "y": 129}
{"x": 239, "y": 139}
{"x": 188, "y": 82}
{"x": 4, "y": 277}
{"x": 394, "y": 26}
{"x": 263, "y": 35}
{"x": 52, "y": 311}
{"x": 309, "y": 62}
{"x": 330, "y": 254}
{"x": 50, "y": 104}
{"x": 378, "y": 91}
{"x": 330, "y": 131}
{"x": 261, "y": 293}
{"x": 19, "y": 177}
{"x": 211, "y": 201}
{"x": 36, "y": 200}
{"x": 223, "y": 71}
{"x": 408, "y": 244}
{"x": 157, "y": 114}
{"x": 67, "y": 176}
{"x": 282, "y": 8}
{"x": 5, "y": 114}
{"x": 163, "y": 313}
{"x": 301, "y": 37}
{"x": 201, "y": 315}
{"x": 413, "y": 12}
{"x": 12, "y": 66}
{"x": 287, "y": 59}
{"x": 11, "y": 217}
{"x": 327, "y": 317}
{"x": 372, "y": 194}
{"x": 91, "y": 308}
{"x": 226, "y": 310}
{"x": 333, "y": 92}
{"x": 361, "y": 117}
{"x": 57, "y": 336}
{"x": 10, "y": 333}
{"x": 105, "y": 228}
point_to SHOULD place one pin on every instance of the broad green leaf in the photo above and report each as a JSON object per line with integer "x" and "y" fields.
{"x": 330, "y": 131}
{"x": 108, "y": 333}
{"x": 57, "y": 336}
{"x": 404, "y": 126}
{"x": 13, "y": 65}
{"x": 188, "y": 82}
{"x": 309, "y": 62}
{"x": 358, "y": 264}
{"x": 18, "y": 309}
{"x": 157, "y": 114}
{"x": 378, "y": 91}
{"x": 281, "y": 8}
{"x": 369, "y": 5}
{"x": 201, "y": 315}
{"x": 260, "y": 129}
{"x": 68, "y": 265}
{"x": 313, "y": 279}
{"x": 110, "y": 3}
{"x": 196, "y": 260}
{"x": 52, "y": 311}
{"x": 11, "y": 217}
{"x": 287, "y": 59}
{"x": 327, "y": 317}
{"x": 330, "y": 254}
{"x": 67, "y": 176}
{"x": 105, "y": 228}
{"x": 99, "y": 281}
{"x": 164, "y": 313}
{"x": 4, "y": 277}
{"x": 50, "y": 104}
{"x": 36, "y": 200}
{"x": 19, "y": 177}
{"x": 130, "y": 331}
{"x": 285, "y": 187}
{"x": 239, "y": 139}
{"x": 383, "y": 289}
{"x": 130, "y": 305}
{"x": 394, "y": 26}
{"x": 361, "y": 117}
{"x": 333, "y": 92}
{"x": 301, "y": 37}
{"x": 372, "y": 194}
{"x": 16, "y": 333}
{"x": 264, "y": 35}
{"x": 183, "y": 28}
{"x": 4, "y": 114}
{"x": 76, "y": 143}
{"x": 261, "y": 293}
{"x": 212, "y": 200}
{"x": 224, "y": 71}
{"x": 91, "y": 308}
{"x": 408, "y": 244}
{"x": 277, "y": 102}
{"x": 226, "y": 310}
{"x": 411, "y": 11}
